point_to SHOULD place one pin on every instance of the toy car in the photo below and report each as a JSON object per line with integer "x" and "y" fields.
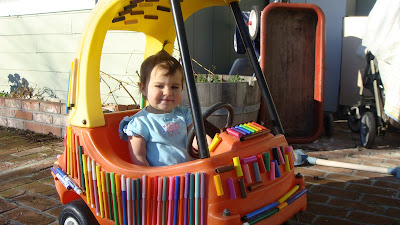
{"x": 245, "y": 176}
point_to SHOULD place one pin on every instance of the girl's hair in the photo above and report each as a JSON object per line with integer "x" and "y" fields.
{"x": 162, "y": 59}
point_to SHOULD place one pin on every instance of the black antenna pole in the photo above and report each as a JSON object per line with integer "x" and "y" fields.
{"x": 190, "y": 82}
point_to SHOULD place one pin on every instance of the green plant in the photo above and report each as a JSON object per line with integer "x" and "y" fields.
{"x": 235, "y": 78}
{"x": 4, "y": 94}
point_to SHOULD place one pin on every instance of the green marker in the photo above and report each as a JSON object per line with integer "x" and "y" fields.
{"x": 266, "y": 161}
{"x": 112, "y": 177}
{"x": 263, "y": 216}
{"x": 110, "y": 212}
{"x": 191, "y": 195}
{"x": 81, "y": 164}
{"x": 164, "y": 199}
{"x": 138, "y": 197}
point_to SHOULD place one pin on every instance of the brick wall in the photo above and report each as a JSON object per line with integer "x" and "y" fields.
{"x": 38, "y": 116}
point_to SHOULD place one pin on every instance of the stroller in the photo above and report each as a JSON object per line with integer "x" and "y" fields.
{"x": 367, "y": 116}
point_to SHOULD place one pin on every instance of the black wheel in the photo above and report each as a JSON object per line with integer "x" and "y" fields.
{"x": 254, "y": 22}
{"x": 354, "y": 124}
{"x": 367, "y": 129}
{"x": 76, "y": 213}
{"x": 211, "y": 130}
{"x": 328, "y": 124}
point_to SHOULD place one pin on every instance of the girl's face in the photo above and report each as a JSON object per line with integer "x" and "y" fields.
{"x": 163, "y": 92}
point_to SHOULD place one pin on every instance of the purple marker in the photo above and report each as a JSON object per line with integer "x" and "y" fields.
{"x": 231, "y": 187}
{"x": 202, "y": 197}
{"x": 186, "y": 195}
{"x": 250, "y": 159}
{"x": 296, "y": 196}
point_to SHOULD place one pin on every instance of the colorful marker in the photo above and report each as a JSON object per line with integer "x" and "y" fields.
{"x": 196, "y": 198}
{"x": 202, "y": 197}
{"x": 164, "y": 199}
{"x": 181, "y": 204}
{"x": 250, "y": 159}
{"x": 119, "y": 197}
{"x": 87, "y": 189}
{"x": 242, "y": 188}
{"x": 90, "y": 180}
{"x": 138, "y": 197}
{"x": 186, "y": 196}
{"x": 218, "y": 185}
{"x": 171, "y": 199}
{"x": 81, "y": 169}
{"x": 144, "y": 192}
{"x": 272, "y": 170}
{"x": 287, "y": 164}
{"x": 277, "y": 171}
{"x": 238, "y": 167}
{"x": 150, "y": 184}
{"x": 256, "y": 170}
{"x": 133, "y": 201}
{"x": 280, "y": 155}
{"x": 246, "y": 172}
{"x": 124, "y": 200}
{"x": 100, "y": 191}
{"x": 159, "y": 199}
{"x": 261, "y": 164}
{"x": 155, "y": 192}
{"x": 231, "y": 187}
{"x": 176, "y": 199}
{"x": 104, "y": 194}
{"x": 290, "y": 193}
{"x": 109, "y": 196}
{"x": 128, "y": 201}
{"x": 214, "y": 143}
{"x": 112, "y": 178}
{"x": 191, "y": 198}
{"x": 95, "y": 189}
{"x": 267, "y": 161}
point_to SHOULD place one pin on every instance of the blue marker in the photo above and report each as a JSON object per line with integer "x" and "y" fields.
{"x": 277, "y": 171}
{"x": 69, "y": 181}
{"x": 243, "y": 130}
{"x": 66, "y": 185}
{"x": 176, "y": 197}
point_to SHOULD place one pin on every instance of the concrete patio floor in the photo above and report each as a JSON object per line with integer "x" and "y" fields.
{"x": 336, "y": 195}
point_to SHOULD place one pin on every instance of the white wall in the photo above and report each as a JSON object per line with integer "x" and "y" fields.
{"x": 21, "y": 7}
{"x": 41, "y": 47}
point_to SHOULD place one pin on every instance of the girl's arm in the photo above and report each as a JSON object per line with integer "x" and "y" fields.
{"x": 137, "y": 150}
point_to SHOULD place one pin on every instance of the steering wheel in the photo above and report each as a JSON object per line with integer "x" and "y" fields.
{"x": 210, "y": 128}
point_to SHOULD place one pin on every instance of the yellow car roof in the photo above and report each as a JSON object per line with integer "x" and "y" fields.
{"x": 151, "y": 17}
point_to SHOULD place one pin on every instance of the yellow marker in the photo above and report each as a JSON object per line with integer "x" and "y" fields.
{"x": 218, "y": 185}
{"x": 69, "y": 161}
{"x": 287, "y": 164}
{"x": 86, "y": 178}
{"x": 287, "y": 195}
{"x": 70, "y": 85}
{"x": 215, "y": 142}
{"x": 103, "y": 188}
{"x": 282, "y": 205}
{"x": 238, "y": 167}
{"x": 118, "y": 192}
{"x": 253, "y": 127}
{"x": 99, "y": 190}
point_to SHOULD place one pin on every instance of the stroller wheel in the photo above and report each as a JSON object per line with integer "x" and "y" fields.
{"x": 367, "y": 129}
{"x": 354, "y": 124}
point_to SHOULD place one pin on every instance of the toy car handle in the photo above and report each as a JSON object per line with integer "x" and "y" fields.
{"x": 209, "y": 127}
